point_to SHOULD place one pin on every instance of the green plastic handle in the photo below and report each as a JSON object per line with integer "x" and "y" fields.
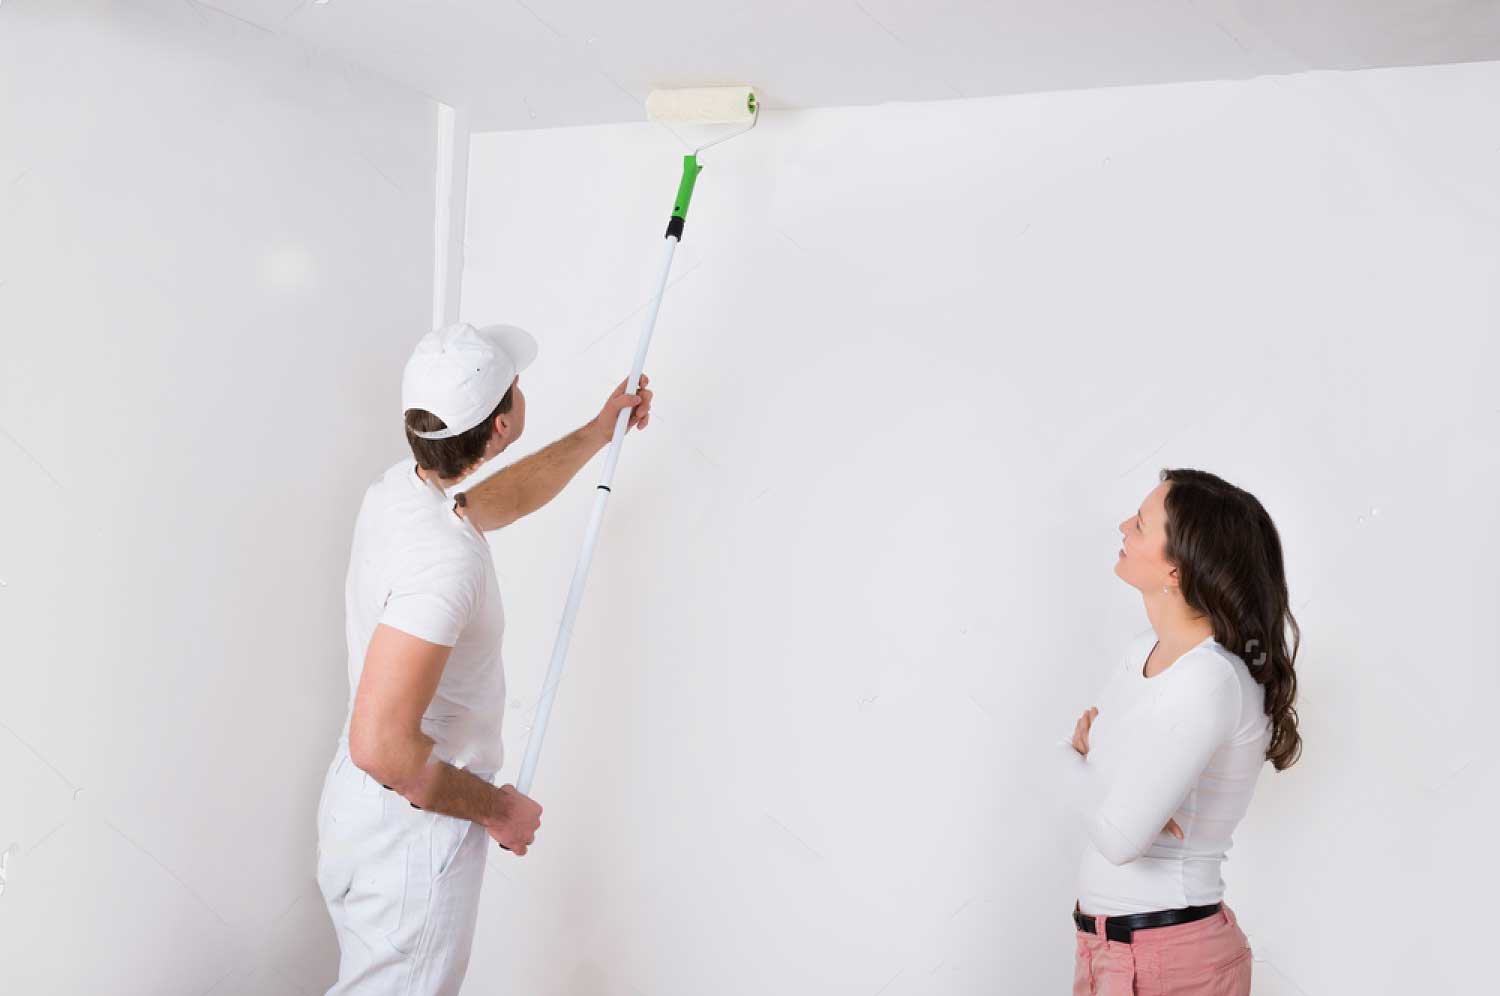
{"x": 690, "y": 171}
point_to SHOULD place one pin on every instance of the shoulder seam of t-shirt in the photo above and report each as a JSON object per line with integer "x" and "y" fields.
{"x": 434, "y": 540}
{"x": 1221, "y": 667}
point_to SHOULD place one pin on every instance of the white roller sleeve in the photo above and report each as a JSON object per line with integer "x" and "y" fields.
{"x": 701, "y": 105}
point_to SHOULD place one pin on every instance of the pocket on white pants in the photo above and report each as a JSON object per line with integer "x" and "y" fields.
{"x": 430, "y": 848}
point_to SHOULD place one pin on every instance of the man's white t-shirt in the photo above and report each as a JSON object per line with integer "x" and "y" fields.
{"x": 418, "y": 567}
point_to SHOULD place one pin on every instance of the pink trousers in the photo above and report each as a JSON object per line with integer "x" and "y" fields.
{"x": 1205, "y": 958}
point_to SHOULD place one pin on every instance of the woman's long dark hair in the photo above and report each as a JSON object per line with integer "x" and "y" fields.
{"x": 1229, "y": 567}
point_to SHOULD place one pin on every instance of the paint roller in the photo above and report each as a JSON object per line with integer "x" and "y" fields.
{"x": 703, "y": 105}
{"x": 698, "y": 106}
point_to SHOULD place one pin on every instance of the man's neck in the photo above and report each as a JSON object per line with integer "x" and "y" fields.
{"x": 432, "y": 478}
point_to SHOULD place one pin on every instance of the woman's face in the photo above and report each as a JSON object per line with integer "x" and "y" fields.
{"x": 1142, "y": 562}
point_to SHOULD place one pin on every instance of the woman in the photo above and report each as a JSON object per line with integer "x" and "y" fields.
{"x": 1164, "y": 768}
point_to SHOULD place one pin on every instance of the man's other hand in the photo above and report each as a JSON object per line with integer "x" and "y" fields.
{"x": 515, "y": 826}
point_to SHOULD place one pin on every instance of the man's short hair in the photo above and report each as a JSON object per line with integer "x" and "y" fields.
{"x": 454, "y": 457}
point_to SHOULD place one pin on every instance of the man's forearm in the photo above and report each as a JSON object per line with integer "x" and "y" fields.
{"x": 531, "y": 482}
{"x": 442, "y": 788}
{"x": 408, "y": 767}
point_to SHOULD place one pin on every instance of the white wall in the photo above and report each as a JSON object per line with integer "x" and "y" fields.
{"x": 916, "y": 364}
{"x": 215, "y": 253}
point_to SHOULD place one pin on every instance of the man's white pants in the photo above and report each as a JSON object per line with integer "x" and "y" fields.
{"x": 402, "y": 887}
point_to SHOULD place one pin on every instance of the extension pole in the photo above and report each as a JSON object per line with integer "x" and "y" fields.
{"x": 690, "y": 169}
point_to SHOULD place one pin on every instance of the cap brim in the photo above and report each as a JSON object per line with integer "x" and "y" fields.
{"x": 518, "y": 344}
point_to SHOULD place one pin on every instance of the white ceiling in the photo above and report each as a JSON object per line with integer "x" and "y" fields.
{"x": 544, "y": 63}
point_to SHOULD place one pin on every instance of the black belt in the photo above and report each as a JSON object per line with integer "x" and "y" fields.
{"x": 1122, "y": 928}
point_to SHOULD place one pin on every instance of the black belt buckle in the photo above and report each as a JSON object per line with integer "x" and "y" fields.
{"x": 1113, "y": 930}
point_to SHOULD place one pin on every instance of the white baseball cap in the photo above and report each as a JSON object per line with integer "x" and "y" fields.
{"x": 460, "y": 373}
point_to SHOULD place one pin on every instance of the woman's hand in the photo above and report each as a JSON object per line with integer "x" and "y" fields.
{"x": 1081, "y": 730}
{"x": 1081, "y": 745}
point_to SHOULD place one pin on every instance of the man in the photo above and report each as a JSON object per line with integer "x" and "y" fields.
{"x": 409, "y": 804}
